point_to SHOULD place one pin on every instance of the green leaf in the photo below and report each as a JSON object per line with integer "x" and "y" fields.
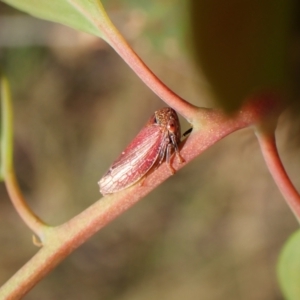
{"x": 6, "y": 128}
{"x": 84, "y": 15}
{"x": 241, "y": 46}
{"x": 289, "y": 268}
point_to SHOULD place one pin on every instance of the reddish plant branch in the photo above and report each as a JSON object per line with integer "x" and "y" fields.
{"x": 270, "y": 153}
{"x": 113, "y": 37}
{"x": 60, "y": 241}
{"x": 186, "y": 109}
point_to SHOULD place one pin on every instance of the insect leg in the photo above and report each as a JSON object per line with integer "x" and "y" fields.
{"x": 168, "y": 157}
{"x": 174, "y": 143}
{"x": 188, "y": 131}
{"x": 162, "y": 151}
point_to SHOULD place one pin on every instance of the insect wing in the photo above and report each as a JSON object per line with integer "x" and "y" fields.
{"x": 135, "y": 161}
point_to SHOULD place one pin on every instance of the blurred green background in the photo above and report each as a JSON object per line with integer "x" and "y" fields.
{"x": 212, "y": 231}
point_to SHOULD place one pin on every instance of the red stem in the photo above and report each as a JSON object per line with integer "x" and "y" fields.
{"x": 112, "y": 36}
{"x": 186, "y": 109}
{"x": 270, "y": 153}
{"x": 60, "y": 241}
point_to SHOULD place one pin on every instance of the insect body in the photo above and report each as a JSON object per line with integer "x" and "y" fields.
{"x": 155, "y": 142}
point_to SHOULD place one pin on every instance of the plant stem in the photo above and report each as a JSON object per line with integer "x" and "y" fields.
{"x": 269, "y": 150}
{"x": 7, "y": 169}
{"x": 186, "y": 109}
{"x": 113, "y": 37}
{"x": 24, "y": 211}
{"x": 60, "y": 241}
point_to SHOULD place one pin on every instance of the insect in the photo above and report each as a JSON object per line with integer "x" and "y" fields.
{"x": 156, "y": 142}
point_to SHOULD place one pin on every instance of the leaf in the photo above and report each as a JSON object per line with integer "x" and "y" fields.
{"x": 289, "y": 268}
{"x": 84, "y": 15}
{"x": 241, "y": 46}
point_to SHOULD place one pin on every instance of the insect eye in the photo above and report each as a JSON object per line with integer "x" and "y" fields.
{"x": 171, "y": 126}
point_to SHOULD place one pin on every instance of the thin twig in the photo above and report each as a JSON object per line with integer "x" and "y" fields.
{"x": 269, "y": 150}
{"x": 28, "y": 216}
{"x": 114, "y": 38}
{"x": 21, "y": 206}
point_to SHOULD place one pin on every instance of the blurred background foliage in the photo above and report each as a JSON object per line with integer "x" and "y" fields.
{"x": 242, "y": 46}
{"x": 212, "y": 231}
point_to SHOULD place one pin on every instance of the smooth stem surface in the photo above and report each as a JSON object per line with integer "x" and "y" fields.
{"x": 24, "y": 211}
{"x": 183, "y": 107}
{"x": 269, "y": 150}
{"x": 60, "y": 241}
{"x": 113, "y": 37}
{"x": 32, "y": 221}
